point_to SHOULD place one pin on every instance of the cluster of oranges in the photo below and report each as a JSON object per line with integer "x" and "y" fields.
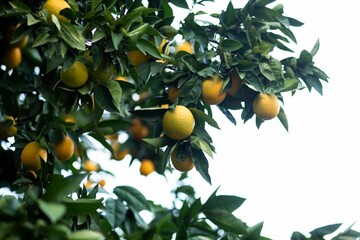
{"x": 11, "y": 53}
{"x": 178, "y": 123}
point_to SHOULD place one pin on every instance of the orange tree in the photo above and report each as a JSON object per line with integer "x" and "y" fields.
{"x": 78, "y": 72}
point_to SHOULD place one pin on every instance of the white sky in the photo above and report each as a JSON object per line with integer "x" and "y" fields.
{"x": 297, "y": 180}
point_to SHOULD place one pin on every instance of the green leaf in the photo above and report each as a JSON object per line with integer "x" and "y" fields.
{"x": 54, "y": 211}
{"x": 229, "y": 15}
{"x": 290, "y": 84}
{"x": 168, "y": 31}
{"x": 115, "y": 212}
{"x": 298, "y": 236}
{"x": 192, "y": 63}
{"x": 319, "y": 233}
{"x": 149, "y": 47}
{"x": 86, "y": 234}
{"x": 40, "y": 39}
{"x": 108, "y": 96}
{"x": 128, "y": 19}
{"x": 272, "y": 69}
{"x": 181, "y": 233}
{"x": 72, "y": 36}
{"x": 252, "y": 79}
{"x": 190, "y": 91}
{"x": 231, "y": 45}
{"x": 82, "y": 206}
{"x": 314, "y": 82}
{"x": 226, "y": 220}
{"x": 180, "y": 3}
{"x": 201, "y": 116}
{"x": 305, "y": 57}
{"x": 116, "y": 39}
{"x": 61, "y": 188}
{"x": 315, "y": 49}
{"x": 195, "y": 30}
{"x": 113, "y": 125}
{"x": 244, "y": 65}
{"x": 201, "y": 144}
{"x": 201, "y": 163}
{"x": 132, "y": 197}
{"x": 223, "y": 202}
{"x": 151, "y": 113}
{"x": 9, "y": 206}
{"x": 283, "y": 119}
{"x": 158, "y": 142}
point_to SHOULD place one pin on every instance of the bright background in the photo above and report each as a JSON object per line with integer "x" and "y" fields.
{"x": 301, "y": 179}
{"x": 297, "y": 180}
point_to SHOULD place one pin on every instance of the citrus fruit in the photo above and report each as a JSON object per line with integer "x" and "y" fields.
{"x": 182, "y": 165}
{"x": 102, "y": 183}
{"x": 235, "y": 83}
{"x": 8, "y": 131}
{"x": 88, "y": 183}
{"x": 178, "y": 123}
{"x": 120, "y": 154}
{"x": 211, "y": 91}
{"x": 90, "y": 166}
{"x": 11, "y": 57}
{"x": 10, "y": 31}
{"x": 31, "y": 155}
{"x": 75, "y": 76}
{"x": 65, "y": 148}
{"x": 146, "y": 167}
{"x": 104, "y": 72}
{"x": 266, "y": 106}
{"x": 173, "y": 93}
{"x": 138, "y": 130}
{"x": 54, "y": 7}
{"x": 113, "y": 137}
{"x": 137, "y": 58}
{"x": 185, "y": 46}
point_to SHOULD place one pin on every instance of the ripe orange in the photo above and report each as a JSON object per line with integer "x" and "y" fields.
{"x": 138, "y": 130}
{"x": 64, "y": 149}
{"x": 31, "y": 154}
{"x": 119, "y": 154}
{"x": 147, "y": 166}
{"x": 75, "y": 76}
{"x": 104, "y": 72}
{"x": 185, "y": 46}
{"x": 10, "y": 31}
{"x": 178, "y": 123}
{"x": 11, "y": 57}
{"x": 54, "y": 7}
{"x": 9, "y": 131}
{"x": 113, "y": 137}
{"x": 212, "y": 93}
{"x": 137, "y": 58}
{"x": 266, "y": 106}
{"x": 90, "y": 166}
{"x": 173, "y": 93}
{"x": 102, "y": 183}
{"x": 236, "y": 82}
{"x": 183, "y": 165}
{"x": 88, "y": 183}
